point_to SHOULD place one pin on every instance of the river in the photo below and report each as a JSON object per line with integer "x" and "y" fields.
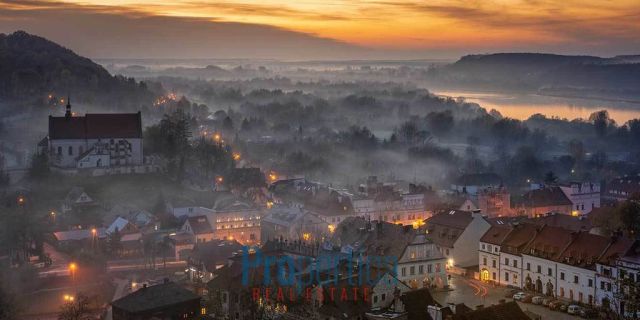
{"x": 522, "y": 106}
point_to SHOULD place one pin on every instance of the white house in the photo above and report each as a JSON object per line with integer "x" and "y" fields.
{"x": 585, "y": 196}
{"x": 95, "y": 140}
{"x": 489, "y": 252}
{"x": 422, "y": 264}
{"x": 456, "y": 234}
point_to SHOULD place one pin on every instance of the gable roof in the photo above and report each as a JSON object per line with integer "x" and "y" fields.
{"x": 75, "y": 235}
{"x": 154, "y": 297}
{"x": 519, "y": 237}
{"x": 496, "y": 234}
{"x": 502, "y": 311}
{"x": 119, "y": 223}
{"x": 96, "y": 126}
{"x": 200, "y": 225}
{"x": 416, "y": 302}
{"x": 549, "y": 242}
{"x": 213, "y": 253}
{"x": 445, "y": 228}
{"x": 545, "y": 197}
{"x": 564, "y": 221}
{"x": 585, "y": 250}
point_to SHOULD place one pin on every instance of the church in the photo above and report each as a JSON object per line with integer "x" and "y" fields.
{"x": 106, "y": 140}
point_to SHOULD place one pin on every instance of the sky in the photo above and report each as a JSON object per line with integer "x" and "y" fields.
{"x": 328, "y": 29}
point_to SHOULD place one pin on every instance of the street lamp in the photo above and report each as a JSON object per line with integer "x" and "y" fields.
{"x": 53, "y": 216}
{"x": 72, "y": 270}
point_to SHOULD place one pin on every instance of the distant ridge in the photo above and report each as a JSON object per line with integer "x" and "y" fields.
{"x": 32, "y": 67}
{"x": 585, "y": 75}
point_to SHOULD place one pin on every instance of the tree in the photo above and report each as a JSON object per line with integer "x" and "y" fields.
{"x": 629, "y": 214}
{"x": 440, "y": 123}
{"x": 39, "y": 168}
{"x": 78, "y": 309}
{"x": 550, "y": 178}
{"x": 601, "y": 122}
{"x": 115, "y": 242}
{"x": 8, "y": 306}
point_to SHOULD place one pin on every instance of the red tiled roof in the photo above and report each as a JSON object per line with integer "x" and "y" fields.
{"x": 96, "y": 126}
{"x": 549, "y": 242}
{"x": 584, "y": 250}
{"x": 519, "y": 237}
{"x": 617, "y": 249}
{"x": 200, "y": 225}
{"x": 455, "y": 219}
{"x": 548, "y": 196}
{"x": 563, "y": 220}
{"x": 496, "y": 234}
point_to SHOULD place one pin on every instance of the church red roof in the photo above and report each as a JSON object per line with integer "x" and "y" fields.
{"x": 96, "y": 126}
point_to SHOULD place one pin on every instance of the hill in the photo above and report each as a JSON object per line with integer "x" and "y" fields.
{"x": 617, "y": 76}
{"x": 32, "y": 68}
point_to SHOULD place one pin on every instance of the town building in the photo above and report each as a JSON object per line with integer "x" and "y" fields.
{"x": 163, "y": 301}
{"x": 292, "y": 223}
{"x": 76, "y": 198}
{"x": 489, "y": 252}
{"x": 422, "y": 265}
{"x": 381, "y": 202}
{"x": 456, "y": 234}
{"x": 584, "y": 196}
{"x": 95, "y": 141}
{"x": 199, "y": 227}
{"x": 539, "y": 202}
{"x": 492, "y": 202}
{"x": 622, "y": 188}
{"x": 206, "y": 257}
{"x": 471, "y": 184}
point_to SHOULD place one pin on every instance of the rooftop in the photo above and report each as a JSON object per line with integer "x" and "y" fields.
{"x": 545, "y": 197}
{"x": 154, "y": 297}
{"x": 96, "y": 126}
{"x": 200, "y": 224}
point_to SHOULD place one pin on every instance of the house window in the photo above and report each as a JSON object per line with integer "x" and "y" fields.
{"x": 484, "y": 261}
{"x": 493, "y": 275}
{"x": 528, "y": 266}
{"x": 515, "y": 263}
{"x": 429, "y": 269}
{"x": 549, "y": 271}
{"x": 437, "y": 267}
{"x": 561, "y": 275}
{"x": 590, "y": 283}
{"x": 575, "y": 279}
{"x": 493, "y": 262}
{"x": 506, "y": 276}
{"x": 384, "y": 296}
{"x": 404, "y": 272}
{"x": 412, "y": 270}
{"x": 59, "y": 150}
{"x": 483, "y": 247}
{"x": 70, "y": 150}
{"x": 375, "y": 299}
{"x": 420, "y": 269}
{"x": 539, "y": 269}
{"x": 506, "y": 261}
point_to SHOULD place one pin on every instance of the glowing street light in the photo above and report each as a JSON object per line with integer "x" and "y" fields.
{"x": 332, "y": 228}
{"x": 72, "y": 269}
{"x": 21, "y": 200}
{"x": 236, "y": 156}
{"x": 273, "y": 176}
{"x": 306, "y": 236}
{"x": 217, "y": 137}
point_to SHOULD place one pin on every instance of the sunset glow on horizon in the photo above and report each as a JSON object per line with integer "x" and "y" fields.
{"x": 402, "y": 24}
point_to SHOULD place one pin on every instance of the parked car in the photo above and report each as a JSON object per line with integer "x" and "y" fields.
{"x": 537, "y": 300}
{"x": 563, "y": 307}
{"x": 519, "y": 296}
{"x": 588, "y": 313}
{"x": 527, "y": 298}
{"x": 573, "y": 309}
{"x": 512, "y": 293}
{"x": 555, "y": 305}
{"x": 547, "y": 301}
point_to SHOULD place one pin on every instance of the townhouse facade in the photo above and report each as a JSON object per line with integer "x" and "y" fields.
{"x": 575, "y": 266}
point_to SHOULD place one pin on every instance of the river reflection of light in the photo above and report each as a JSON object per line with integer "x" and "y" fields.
{"x": 523, "y": 106}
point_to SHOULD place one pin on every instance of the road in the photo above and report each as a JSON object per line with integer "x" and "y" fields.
{"x": 474, "y": 293}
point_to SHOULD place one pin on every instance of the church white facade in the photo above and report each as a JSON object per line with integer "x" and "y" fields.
{"x": 94, "y": 140}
